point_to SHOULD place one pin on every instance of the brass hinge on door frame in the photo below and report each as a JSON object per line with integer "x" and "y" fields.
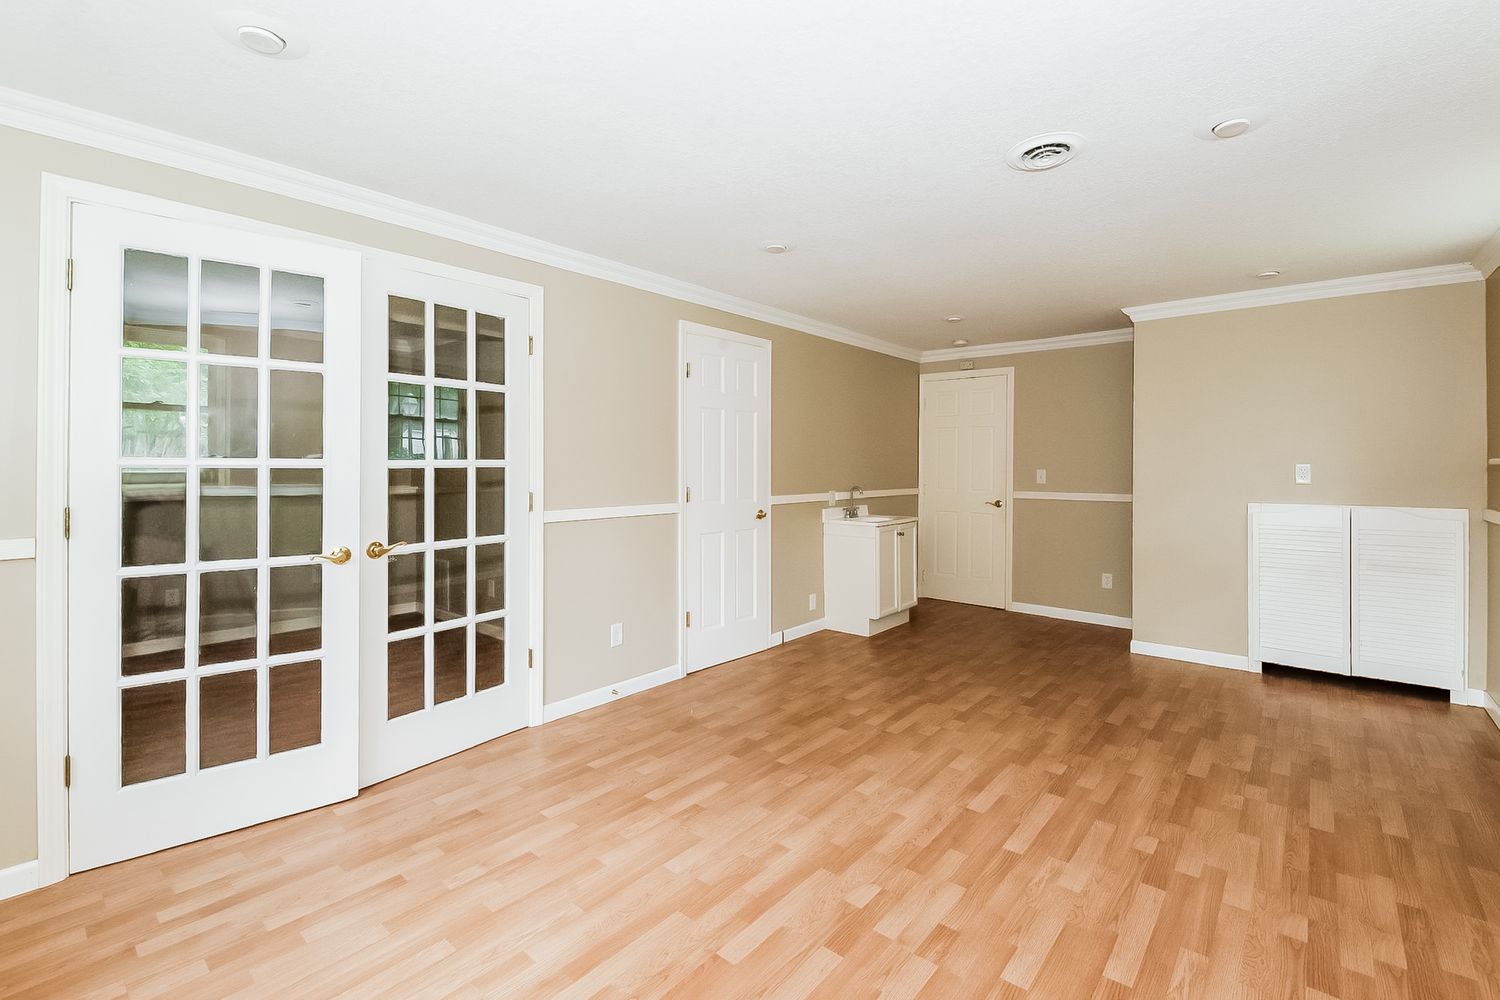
{"x": 67, "y": 770}
{"x": 531, "y": 659}
{"x": 687, "y": 494}
{"x": 530, "y": 502}
{"x": 530, "y": 346}
{"x": 687, "y": 619}
{"x": 70, "y": 274}
{"x": 67, "y": 523}
{"x": 688, "y": 370}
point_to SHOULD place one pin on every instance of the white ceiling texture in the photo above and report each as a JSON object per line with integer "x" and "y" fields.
{"x": 678, "y": 136}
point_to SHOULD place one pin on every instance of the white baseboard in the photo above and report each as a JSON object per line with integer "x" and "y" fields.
{"x": 1069, "y": 615}
{"x": 797, "y": 631}
{"x": 1472, "y": 697}
{"x": 1491, "y": 707}
{"x": 1207, "y": 657}
{"x": 612, "y": 692}
{"x": 20, "y": 878}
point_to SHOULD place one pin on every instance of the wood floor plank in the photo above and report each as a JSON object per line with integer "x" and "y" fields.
{"x": 979, "y": 805}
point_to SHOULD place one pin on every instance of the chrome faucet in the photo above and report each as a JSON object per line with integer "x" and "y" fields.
{"x": 852, "y": 511}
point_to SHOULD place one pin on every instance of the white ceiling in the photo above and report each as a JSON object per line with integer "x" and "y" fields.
{"x": 679, "y": 135}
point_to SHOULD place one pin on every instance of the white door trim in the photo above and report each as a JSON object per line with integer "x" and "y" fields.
{"x": 58, "y": 195}
{"x": 1010, "y": 451}
{"x": 685, "y": 327}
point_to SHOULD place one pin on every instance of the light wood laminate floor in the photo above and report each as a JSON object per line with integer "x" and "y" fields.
{"x": 979, "y": 805}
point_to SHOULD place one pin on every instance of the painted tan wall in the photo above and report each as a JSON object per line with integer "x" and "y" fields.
{"x": 1073, "y": 418}
{"x": 1492, "y": 365}
{"x": 841, "y": 415}
{"x": 1383, "y": 393}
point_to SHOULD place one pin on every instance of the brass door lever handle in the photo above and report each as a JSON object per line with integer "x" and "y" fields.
{"x": 377, "y": 549}
{"x": 995, "y": 503}
{"x": 760, "y": 515}
{"x": 338, "y": 556}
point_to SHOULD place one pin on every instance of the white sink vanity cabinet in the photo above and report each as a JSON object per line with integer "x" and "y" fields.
{"x": 869, "y": 571}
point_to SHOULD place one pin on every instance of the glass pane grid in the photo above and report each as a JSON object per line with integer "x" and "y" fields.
{"x": 193, "y": 422}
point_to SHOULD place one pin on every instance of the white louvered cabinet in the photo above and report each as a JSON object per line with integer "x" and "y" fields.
{"x": 1370, "y": 591}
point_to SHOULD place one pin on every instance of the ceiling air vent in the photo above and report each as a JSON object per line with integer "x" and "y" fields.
{"x": 1043, "y": 152}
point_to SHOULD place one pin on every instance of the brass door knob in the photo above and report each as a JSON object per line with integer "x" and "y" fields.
{"x": 760, "y": 515}
{"x": 377, "y": 549}
{"x": 338, "y": 556}
{"x": 995, "y": 503}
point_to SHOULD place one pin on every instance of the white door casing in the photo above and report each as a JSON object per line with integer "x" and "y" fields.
{"x": 446, "y": 435}
{"x": 964, "y": 502}
{"x": 725, "y": 451}
{"x": 210, "y": 408}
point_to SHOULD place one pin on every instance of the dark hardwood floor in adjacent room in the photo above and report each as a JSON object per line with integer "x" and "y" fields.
{"x": 979, "y": 805}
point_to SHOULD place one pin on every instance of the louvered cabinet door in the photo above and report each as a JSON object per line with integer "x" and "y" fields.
{"x": 1411, "y": 595}
{"x": 1299, "y": 586}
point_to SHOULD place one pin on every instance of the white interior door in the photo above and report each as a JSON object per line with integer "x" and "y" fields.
{"x": 965, "y": 489}
{"x": 1410, "y": 595}
{"x": 212, "y": 458}
{"x": 446, "y": 560}
{"x": 726, "y": 467}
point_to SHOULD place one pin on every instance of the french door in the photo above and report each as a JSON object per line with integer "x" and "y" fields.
{"x": 445, "y": 569}
{"x": 965, "y": 484}
{"x": 213, "y": 479}
{"x": 726, "y": 468}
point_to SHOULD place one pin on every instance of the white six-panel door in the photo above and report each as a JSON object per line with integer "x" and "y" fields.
{"x": 726, "y": 467}
{"x": 445, "y": 566}
{"x": 212, "y": 460}
{"x": 965, "y": 489}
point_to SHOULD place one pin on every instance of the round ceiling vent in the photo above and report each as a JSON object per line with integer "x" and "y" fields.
{"x": 1043, "y": 152}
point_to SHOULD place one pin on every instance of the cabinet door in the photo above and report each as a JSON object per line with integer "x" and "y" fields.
{"x": 906, "y": 566}
{"x": 1299, "y": 586}
{"x": 889, "y": 560}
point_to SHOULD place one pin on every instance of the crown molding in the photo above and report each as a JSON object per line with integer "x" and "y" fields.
{"x": 1487, "y": 258}
{"x": 1420, "y": 277}
{"x": 69, "y": 123}
{"x": 1027, "y": 346}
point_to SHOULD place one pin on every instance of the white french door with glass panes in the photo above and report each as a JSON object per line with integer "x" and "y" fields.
{"x": 445, "y": 569}
{"x": 213, "y": 457}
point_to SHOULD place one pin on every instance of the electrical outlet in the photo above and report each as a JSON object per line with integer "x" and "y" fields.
{"x": 812, "y": 602}
{"x": 1107, "y": 581}
{"x": 1041, "y": 477}
{"x": 617, "y": 633}
{"x": 1304, "y": 474}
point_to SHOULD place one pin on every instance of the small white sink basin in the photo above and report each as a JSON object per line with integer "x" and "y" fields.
{"x": 874, "y": 519}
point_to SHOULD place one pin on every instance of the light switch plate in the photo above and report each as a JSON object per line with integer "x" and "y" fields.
{"x": 1304, "y": 474}
{"x": 617, "y": 633}
{"x": 812, "y": 602}
{"x": 1041, "y": 477}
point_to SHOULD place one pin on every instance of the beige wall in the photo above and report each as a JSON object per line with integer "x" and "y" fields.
{"x": 1383, "y": 393}
{"x": 1492, "y": 367}
{"x": 840, "y": 415}
{"x": 1072, "y": 418}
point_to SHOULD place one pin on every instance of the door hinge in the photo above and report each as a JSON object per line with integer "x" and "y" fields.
{"x": 687, "y": 369}
{"x": 687, "y": 494}
{"x": 70, "y": 274}
{"x": 530, "y": 502}
{"x": 687, "y": 619}
{"x": 67, "y": 770}
{"x": 530, "y": 346}
{"x": 531, "y": 659}
{"x": 67, "y": 523}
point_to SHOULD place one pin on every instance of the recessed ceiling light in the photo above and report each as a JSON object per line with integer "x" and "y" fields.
{"x": 1267, "y": 275}
{"x": 960, "y": 342}
{"x": 259, "y": 39}
{"x": 1231, "y": 127}
{"x": 1045, "y": 151}
{"x": 953, "y": 319}
{"x": 775, "y": 247}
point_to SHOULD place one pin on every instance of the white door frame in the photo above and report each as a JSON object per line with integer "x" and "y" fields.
{"x": 685, "y": 327}
{"x": 1010, "y": 451}
{"x": 58, "y": 195}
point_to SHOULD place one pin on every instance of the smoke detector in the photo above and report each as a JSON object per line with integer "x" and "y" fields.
{"x": 1045, "y": 151}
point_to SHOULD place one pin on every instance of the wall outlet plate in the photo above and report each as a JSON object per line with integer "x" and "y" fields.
{"x": 1107, "y": 581}
{"x": 617, "y": 633}
{"x": 966, "y": 366}
{"x": 1041, "y": 477}
{"x": 812, "y": 602}
{"x": 1304, "y": 474}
